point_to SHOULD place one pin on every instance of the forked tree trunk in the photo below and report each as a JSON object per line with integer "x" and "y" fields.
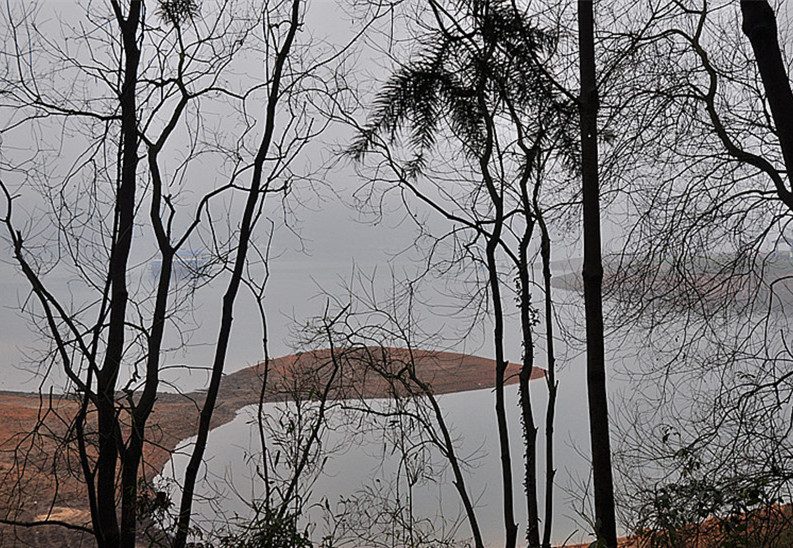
{"x": 105, "y": 519}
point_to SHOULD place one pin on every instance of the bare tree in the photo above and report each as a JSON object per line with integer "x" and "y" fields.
{"x": 381, "y": 348}
{"x": 127, "y": 85}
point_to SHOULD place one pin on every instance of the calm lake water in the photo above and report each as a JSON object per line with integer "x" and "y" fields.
{"x": 364, "y": 462}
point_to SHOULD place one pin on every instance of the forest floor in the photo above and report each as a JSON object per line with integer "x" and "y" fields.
{"x": 767, "y": 527}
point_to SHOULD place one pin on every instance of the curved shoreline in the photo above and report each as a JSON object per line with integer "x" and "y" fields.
{"x": 359, "y": 372}
{"x": 444, "y": 372}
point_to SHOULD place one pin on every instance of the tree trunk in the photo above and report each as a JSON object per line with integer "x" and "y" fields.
{"x": 605, "y": 526}
{"x": 527, "y": 414}
{"x": 255, "y": 195}
{"x": 759, "y": 25}
{"x": 106, "y": 525}
{"x": 550, "y": 379}
{"x": 511, "y": 528}
{"x": 526, "y": 409}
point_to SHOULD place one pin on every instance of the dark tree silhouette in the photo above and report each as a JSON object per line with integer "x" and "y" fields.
{"x": 605, "y": 524}
{"x": 759, "y": 25}
{"x": 481, "y": 70}
{"x": 700, "y": 296}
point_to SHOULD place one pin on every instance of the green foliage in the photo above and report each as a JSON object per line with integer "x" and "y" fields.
{"x": 714, "y": 508}
{"x": 152, "y": 503}
{"x": 489, "y": 62}
{"x": 270, "y": 529}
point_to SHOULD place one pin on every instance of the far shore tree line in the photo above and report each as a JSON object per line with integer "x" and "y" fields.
{"x": 167, "y": 130}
